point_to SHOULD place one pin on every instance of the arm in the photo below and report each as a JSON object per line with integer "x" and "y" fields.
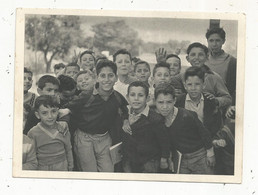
{"x": 29, "y": 150}
{"x": 68, "y": 150}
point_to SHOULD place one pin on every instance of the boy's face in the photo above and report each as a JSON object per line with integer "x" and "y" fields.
{"x": 67, "y": 94}
{"x": 106, "y": 79}
{"x": 87, "y": 62}
{"x": 174, "y": 66}
{"x": 196, "y": 57}
{"x": 142, "y": 72}
{"x": 27, "y": 81}
{"x": 194, "y": 87}
{"x": 85, "y": 82}
{"x": 49, "y": 89}
{"x": 165, "y": 104}
{"x": 58, "y": 70}
{"x": 47, "y": 115}
{"x": 161, "y": 76}
{"x": 71, "y": 71}
{"x": 123, "y": 63}
{"x": 137, "y": 98}
{"x": 215, "y": 43}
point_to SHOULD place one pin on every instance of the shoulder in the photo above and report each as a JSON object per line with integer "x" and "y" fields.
{"x": 187, "y": 114}
{"x": 155, "y": 117}
{"x": 119, "y": 97}
{"x": 26, "y": 140}
{"x": 34, "y": 131}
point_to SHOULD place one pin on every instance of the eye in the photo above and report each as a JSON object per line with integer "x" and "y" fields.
{"x": 146, "y": 70}
{"x": 111, "y": 75}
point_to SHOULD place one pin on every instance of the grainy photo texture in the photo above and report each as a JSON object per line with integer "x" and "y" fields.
{"x": 129, "y": 95}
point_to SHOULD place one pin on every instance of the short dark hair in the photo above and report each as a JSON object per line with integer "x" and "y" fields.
{"x": 121, "y": 51}
{"x": 27, "y": 70}
{"x": 160, "y": 65}
{"x": 66, "y": 83}
{"x": 135, "y": 59}
{"x": 87, "y": 52}
{"x": 138, "y": 84}
{"x": 141, "y": 62}
{"x": 85, "y": 72}
{"x": 219, "y": 31}
{"x": 47, "y": 101}
{"x": 194, "y": 71}
{"x": 58, "y": 66}
{"x": 174, "y": 56}
{"x": 106, "y": 63}
{"x": 47, "y": 79}
{"x": 164, "y": 88}
{"x": 198, "y": 45}
{"x": 99, "y": 58}
{"x": 72, "y": 64}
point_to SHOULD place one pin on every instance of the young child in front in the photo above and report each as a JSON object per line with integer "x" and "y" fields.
{"x": 186, "y": 133}
{"x": 95, "y": 115}
{"x": 142, "y": 71}
{"x": 206, "y": 109}
{"x": 145, "y": 146}
{"x": 51, "y": 138}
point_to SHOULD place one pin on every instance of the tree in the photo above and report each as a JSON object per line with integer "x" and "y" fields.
{"x": 53, "y": 35}
{"x": 112, "y": 36}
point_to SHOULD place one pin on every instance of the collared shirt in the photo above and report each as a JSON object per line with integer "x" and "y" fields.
{"x": 191, "y": 105}
{"x": 169, "y": 123}
{"x": 134, "y": 117}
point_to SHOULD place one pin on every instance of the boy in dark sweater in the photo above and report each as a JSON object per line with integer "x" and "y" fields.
{"x": 186, "y": 133}
{"x": 145, "y": 146}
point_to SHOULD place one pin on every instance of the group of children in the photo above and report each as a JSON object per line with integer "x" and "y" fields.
{"x": 171, "y": 122}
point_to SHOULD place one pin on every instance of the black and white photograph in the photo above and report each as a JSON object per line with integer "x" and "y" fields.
{"x": 129, "y": 95}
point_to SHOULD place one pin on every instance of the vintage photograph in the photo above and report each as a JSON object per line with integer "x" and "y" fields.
{"x": 122, "y": 95}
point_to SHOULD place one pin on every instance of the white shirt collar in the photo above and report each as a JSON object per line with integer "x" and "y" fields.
{"x": 145, "y": 112}
{"x": 189, "y": 99}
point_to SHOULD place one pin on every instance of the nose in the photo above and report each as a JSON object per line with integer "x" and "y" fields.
{"x": 52, "y": 93}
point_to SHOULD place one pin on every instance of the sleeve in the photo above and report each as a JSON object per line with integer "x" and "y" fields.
{"x": 123, "y": 110}
{"x": 231, "y": 78}
{"x": 68, "y": 148}
{"x": 30, "y": 161}
{"x": 221, "y": 92}
{"x": 203, "y": 132}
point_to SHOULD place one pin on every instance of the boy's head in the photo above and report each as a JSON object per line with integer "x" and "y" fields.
{"x": 46, "y": 109}
{"x": 161, "y": 73}
{"x": 174, "y": 64}
{"x": 165, "y": 99}
{"x": 67, "y": 87}
{"x": 197, "y": 54}
{"x": 194, "y": 82}
{"x": 58, "y": 68}
{"x": 142, "y": 71}
{"x": 106, "y": 75}
{"x": 48, "y": 85}
{"x": 216, "y": 37}
{"x": 122, "y": 58}
{"x": 72, "y": 69}
{"x": 85, "y": 80}
{"x": 27, "y": 79}
{"x": 137, "y": 95}
{"x": 87, "y": 60}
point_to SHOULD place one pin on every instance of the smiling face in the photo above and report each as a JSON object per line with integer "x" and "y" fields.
{"x": 85, "y": 82}
{"x": 196, "y": 57}
{"x": 47, "y": 115}
{"x": 27, "y": 81}
{"x": 215, "y": 43}
{"x": 161, "y": 76}
{"x": 123, "y": 63}
{"x": 106, "y": 79}
{"x": 174, "y": 66}
{"x": 194, "y": 87}
{"x": 137, "y": 99}
{"x": 87, "y": 62}
{"x": 142, "y": 72}
{"x": 165, "y": 104}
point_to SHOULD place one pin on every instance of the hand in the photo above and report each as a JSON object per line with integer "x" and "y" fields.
{"x": 163, "y": 163}
{"x": 161, "y": 55}
{"x": 178, "y": 92}
{"x": 76, "y": 57}
{"x": 231, "y": 112}
{"x": 211, "y": 161}
{"x": 63, "y": 112}
{"x": 219, "y": 143}
{"x": 126, "y": 127}
{"x": 212, "y": 97}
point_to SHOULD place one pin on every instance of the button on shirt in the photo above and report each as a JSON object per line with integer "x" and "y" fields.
{"x": 190, "y": 105}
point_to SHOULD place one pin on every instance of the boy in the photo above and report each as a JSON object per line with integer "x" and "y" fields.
{"x": 51, "y": 138}
{"x": 174, "y": 64}
{"x": 186, "y": 133}
{"x": 58, "y": 67}
{"x": 145, "y": 147}
{"x": 87, "y": 60}
{"x": 47, "y": 85}
{"x": 85, "y": 81}
{"x": 95, "y": 115}
{"x": 195, "y": 101}
{"x": 142, "y": 71}
{"x": 72, "y": 70}
{"x": 123, "y": 60}
{"x": 221, "y": 62}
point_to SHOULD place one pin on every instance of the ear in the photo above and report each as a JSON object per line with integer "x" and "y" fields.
{"x": 223, "y": 41}
{"x": 37, "y": 114}
{"x": 187, "y": 58}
